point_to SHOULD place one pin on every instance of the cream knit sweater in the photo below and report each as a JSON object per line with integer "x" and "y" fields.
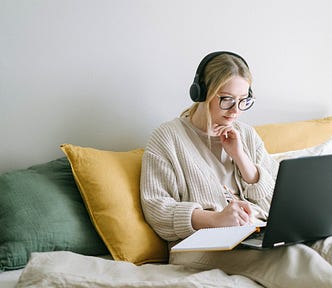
{"x": 176, "y": 178}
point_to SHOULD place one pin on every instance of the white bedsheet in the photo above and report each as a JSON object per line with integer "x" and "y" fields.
{"x": 9, "y": 279}
{"x": 67, "y": 269}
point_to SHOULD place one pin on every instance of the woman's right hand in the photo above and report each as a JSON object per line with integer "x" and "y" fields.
{"x": 236, "y": 213}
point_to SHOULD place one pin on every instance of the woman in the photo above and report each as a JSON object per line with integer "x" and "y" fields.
{"x": 207, "y": 169}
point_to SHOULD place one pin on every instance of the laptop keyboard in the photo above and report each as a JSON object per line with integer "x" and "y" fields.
{"x": 257, "y": 235}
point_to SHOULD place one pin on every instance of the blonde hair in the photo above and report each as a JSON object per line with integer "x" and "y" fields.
{"x": 217, "y": 73}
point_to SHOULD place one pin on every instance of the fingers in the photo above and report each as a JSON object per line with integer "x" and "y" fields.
{"x": 229, "y": 133}
{"x": 241, "y": 212}
{"x": 243, "y": 217}
{"x": 245, "y": 207}
{"x": 221, "y": 130}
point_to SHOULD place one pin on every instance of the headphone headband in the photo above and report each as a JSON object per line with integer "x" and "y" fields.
{"x": 198, "y": 89}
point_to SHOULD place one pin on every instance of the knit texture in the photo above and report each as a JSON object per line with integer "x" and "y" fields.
{"x": 176, "y": 178}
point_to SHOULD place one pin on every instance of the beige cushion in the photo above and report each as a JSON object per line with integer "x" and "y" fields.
{"x": 283, "y": 137}
{"x": 321, "y": 149}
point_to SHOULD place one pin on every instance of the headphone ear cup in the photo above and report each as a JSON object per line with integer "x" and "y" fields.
{"x": 198, "y": 92}
{"x": 195, "y": 91}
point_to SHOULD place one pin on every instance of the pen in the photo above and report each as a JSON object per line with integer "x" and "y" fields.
{"x": 230, "y": 194}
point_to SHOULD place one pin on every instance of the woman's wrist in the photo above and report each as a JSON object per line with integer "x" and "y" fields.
{"x": 203, "y": 219}
{"x": 248, "y": 169}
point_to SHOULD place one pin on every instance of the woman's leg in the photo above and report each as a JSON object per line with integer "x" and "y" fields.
{"x": 324, "y": 248}
{"x": 292, "y": 266}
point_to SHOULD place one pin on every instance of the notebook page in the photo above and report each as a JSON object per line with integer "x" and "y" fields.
{"x": 224, "y": 238}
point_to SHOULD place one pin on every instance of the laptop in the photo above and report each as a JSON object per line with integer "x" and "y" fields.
{"x": 301, "y": 207}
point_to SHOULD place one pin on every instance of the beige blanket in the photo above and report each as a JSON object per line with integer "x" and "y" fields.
{"x": 67, "y": 269}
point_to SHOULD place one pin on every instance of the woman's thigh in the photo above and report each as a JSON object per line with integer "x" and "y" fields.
{"x": 324, "y": 248}
{"x": 292, "y": 266}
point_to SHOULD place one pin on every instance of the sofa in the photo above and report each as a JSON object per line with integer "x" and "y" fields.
{"x": 83, "y": 211}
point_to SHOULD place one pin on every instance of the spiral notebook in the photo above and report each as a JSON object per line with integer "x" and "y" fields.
{"x": 214, "y": 239}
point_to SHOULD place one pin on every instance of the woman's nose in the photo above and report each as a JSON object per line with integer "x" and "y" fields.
{"x": 235, "y": 108}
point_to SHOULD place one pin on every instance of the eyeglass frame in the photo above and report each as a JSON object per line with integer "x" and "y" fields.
{"x": 221, "y": 98}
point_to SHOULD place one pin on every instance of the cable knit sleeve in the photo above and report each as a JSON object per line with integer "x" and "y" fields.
{"x": 176, "y": 178}
{"x": 162, "y": 188}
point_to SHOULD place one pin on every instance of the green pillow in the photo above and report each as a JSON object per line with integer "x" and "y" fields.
{"x": 41, "y": 210}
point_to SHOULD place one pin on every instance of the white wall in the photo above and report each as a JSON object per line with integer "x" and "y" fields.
{"x": 105, "y": 73}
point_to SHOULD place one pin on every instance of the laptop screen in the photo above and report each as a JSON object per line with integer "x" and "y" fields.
{"x": 301, "y": 207}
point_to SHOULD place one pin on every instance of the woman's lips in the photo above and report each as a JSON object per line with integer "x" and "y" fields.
{"x": 229, "y": 118}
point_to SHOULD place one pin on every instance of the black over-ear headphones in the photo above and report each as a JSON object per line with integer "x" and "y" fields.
{"x": 198, "y": 89}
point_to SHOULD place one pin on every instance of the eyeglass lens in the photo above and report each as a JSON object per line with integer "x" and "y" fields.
{"x": 227, "y": 103}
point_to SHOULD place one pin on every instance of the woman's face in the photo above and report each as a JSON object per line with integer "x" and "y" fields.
{"x": 237, "y": 88}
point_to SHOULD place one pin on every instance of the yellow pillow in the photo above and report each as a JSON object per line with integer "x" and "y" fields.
{"x": 109, "y": 185}
{"x": 284, "y": 137}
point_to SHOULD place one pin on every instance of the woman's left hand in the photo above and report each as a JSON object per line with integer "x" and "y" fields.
{"x": 230, "y": 140}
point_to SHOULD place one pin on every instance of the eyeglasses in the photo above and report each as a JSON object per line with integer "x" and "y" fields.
{"x": 228, "y": 102}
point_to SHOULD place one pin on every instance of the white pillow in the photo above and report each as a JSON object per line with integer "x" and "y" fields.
{"x": 321, "y": 149}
